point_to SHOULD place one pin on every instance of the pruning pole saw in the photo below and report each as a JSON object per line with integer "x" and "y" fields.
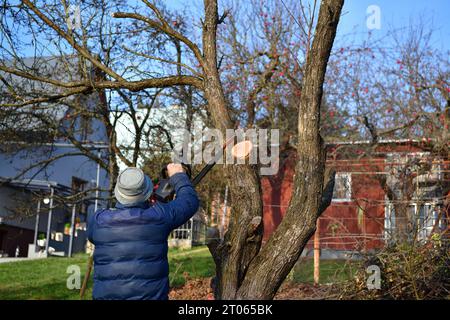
{"x": 165, "y": 192}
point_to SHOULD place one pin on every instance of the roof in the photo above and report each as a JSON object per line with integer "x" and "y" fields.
{"x": 35, "y": 185}
{"x": 59, "y": 68}
{"x": 381, "y": 141}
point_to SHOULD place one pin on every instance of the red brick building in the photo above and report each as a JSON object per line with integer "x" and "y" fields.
{"x": 361, "y": 216}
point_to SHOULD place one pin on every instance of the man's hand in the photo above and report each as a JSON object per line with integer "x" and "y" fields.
{"x": 173, "y": 168}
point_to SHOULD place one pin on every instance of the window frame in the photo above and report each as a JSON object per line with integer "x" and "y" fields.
{"x": 349, "y": 191}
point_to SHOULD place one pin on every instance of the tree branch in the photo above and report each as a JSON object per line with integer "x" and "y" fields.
{"x": 83, "y": 51}
{"x": 165, "y": 28}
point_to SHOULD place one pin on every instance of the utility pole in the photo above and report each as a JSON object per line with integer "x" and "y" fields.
{"x": 97, "y": 183}
{"x": 72, "y": 230}
{"x": 36, "y": 226}
{"x": 49, "y": 222}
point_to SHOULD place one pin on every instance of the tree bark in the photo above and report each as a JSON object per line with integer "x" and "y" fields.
{"x": 241, "y": 242}
{"x": 271, "y": 266}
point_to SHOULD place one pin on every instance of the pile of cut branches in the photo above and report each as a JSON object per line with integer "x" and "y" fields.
{"x": 407, "y": 271}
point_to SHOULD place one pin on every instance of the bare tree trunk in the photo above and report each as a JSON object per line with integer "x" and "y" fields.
{"x": 243, "y": 239}
{"x": 271, "y": 266}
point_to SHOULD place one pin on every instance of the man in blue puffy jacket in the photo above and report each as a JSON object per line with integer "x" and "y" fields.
{"x": 130, "y": 258}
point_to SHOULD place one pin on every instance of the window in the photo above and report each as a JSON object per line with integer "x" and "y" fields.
{"x": 342, "y": 187}
{"x": 428, "y": 219}
{"x": 85, "y": 126}
{"x": 79, "y": 185}
{"x": 424, "y": 217}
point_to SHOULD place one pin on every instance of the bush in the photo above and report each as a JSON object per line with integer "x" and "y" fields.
{"x": 408, "y": 271}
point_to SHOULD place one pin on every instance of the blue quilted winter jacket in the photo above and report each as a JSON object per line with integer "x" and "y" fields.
{"x": 130, "y": 258}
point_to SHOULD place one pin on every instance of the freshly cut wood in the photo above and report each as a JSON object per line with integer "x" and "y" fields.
{"x": 242, "y": 149}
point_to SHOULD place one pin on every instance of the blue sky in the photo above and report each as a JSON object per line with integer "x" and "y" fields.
{"x": 395, "y": 14}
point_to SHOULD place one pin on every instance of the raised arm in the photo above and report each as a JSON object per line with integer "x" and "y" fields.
{"x": 186, "y": 202}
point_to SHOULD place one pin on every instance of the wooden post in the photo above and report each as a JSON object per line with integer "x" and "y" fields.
{"x": 317, "y": 253}
{"x": 363, "y": 229}
{"x": 90, "y": 264}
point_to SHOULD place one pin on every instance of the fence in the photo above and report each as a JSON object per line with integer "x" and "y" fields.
{"x": 191, "y": 233}
{"x": 335, "y": 237}
{"x": 340, "y": 236}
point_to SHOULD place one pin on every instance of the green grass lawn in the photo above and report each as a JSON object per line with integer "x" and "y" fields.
{"x": 195, "y": 263}
{"x": 46, "y": 278}
{"x": 331, "y": 271}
